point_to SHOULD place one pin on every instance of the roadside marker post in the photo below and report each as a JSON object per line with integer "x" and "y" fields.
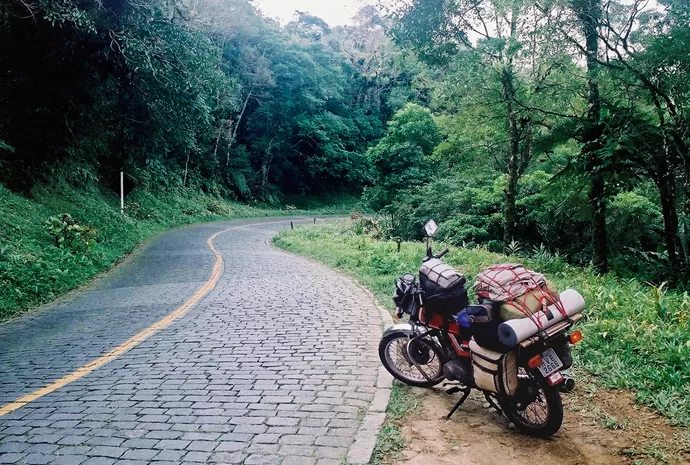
{"x": 122, "y": 192}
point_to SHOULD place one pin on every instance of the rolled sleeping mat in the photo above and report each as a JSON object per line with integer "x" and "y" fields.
{"x": 513, "y": 332}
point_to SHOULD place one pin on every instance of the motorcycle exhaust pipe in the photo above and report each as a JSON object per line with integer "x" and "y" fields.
{"x": 568, "y": 385}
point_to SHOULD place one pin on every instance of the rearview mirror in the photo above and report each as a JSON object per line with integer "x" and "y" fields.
{"x": 430, "y": 228}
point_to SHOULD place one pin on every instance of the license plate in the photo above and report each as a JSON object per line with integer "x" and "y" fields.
{"x": 550, "y": 363}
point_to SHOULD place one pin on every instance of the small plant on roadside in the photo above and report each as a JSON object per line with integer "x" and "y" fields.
{"x": 217, "y": 208}
{"x": 370, "y": 227}
{"x": 191, "y": 211}
{"x": 68, "y": 233}
{"x": 136, "y": 211}
{"x": 513, "y": 248}
{"x": 660, "y": 300}
{"x": 609, "y": 421}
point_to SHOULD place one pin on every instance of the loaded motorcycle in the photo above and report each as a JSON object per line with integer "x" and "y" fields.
{"x": 517, "y": 365}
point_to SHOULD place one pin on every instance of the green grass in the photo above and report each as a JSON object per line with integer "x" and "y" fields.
{"x": 636, "y": 336}
{"x": 33, "y": 270}
{"x": 390, "y": 442}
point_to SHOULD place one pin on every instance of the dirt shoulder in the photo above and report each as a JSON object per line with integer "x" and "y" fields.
{"x": 601, "y": 427}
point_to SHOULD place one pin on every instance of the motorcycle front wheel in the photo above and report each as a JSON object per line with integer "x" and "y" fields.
{"x": 536, "y": 408}
{"x": 396, "y": 358}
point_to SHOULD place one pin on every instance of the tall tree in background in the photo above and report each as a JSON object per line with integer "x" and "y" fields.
{"x": 498, "y": 37}
{"x": 646, "y": 46}
{"x": 638, "y": 47}
{"x": 589, "y": 14}
{"x": 207, "y": 95}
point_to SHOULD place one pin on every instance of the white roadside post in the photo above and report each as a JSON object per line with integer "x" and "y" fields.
{"x": 122, "y": 192}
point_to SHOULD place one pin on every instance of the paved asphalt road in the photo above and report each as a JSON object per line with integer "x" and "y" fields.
{"x": 275, "y": 365}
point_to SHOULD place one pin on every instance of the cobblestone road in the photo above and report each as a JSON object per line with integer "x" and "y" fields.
{"x": 274, "y": 366}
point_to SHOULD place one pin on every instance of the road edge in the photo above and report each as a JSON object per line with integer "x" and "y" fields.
{"x": 362, "y": 450}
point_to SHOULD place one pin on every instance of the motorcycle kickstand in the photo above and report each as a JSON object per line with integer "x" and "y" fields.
{"x": 465, "y": 395}
{"x": 493, "y": 404}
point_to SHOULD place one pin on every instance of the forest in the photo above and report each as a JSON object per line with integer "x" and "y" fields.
{"x": 552, "y": 127}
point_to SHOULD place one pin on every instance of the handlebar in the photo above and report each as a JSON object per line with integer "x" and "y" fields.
{"x": 442, "y": 254}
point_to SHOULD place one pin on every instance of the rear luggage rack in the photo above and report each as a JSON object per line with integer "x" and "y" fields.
{"x": 552, "y": 331}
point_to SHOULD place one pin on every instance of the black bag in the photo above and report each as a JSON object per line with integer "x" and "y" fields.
{"x": 484, "y": 319}
{"x": 404, "y": 295}
{"x": 444, "y": 288}
{"x": 446, "y": 302}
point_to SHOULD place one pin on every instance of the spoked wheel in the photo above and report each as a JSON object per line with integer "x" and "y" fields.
{"x": 536, "y": 408}
{"x": 394, "y": 356}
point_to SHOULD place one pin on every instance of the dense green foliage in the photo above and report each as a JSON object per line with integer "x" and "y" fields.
{"x": 636, "y": 336}
{"x": 513, "y": 122}
{"x": 207, "y": 94}
{"x": 63, "y": 236}
{"x": 563, "y": 123}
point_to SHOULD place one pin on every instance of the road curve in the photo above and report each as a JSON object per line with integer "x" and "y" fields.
{"x": 275, "y": 365}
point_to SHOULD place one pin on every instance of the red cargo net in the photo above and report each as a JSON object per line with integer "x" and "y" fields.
{"x": 510, "y": 283}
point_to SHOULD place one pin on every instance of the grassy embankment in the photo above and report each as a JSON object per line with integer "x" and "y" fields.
{"x": 636, "y": 336}
{"x": 34, "y": 269}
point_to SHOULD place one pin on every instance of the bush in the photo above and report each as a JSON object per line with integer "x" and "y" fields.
{"x": 634, "y": 222}
{"x": 68, "y": 233}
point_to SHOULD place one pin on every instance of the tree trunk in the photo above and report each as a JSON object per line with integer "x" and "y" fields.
{"x": 232, "y": 130}
{"x": 589, "y": 12}
{"x": 266, "y": 166}
{"x": 220, "y": 134}
{"x": 598, "y": 202}
{"x": 231, "y": 139}
{"x": 186, "y": 169}
{"x": 239, "y": 118}
{"x": 510, "y": 221}
{"x": 667, "y": 192}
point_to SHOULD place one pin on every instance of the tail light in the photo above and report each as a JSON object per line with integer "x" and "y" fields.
{"x": 575, "y": 337}
{"x": 534, "y": 362}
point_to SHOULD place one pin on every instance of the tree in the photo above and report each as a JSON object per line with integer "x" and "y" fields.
{"x": 399, "y": 158}
{"x": 631, "y": 42}
{"x": 589, "y": 14}
{"x": 206, "y": 94}
{"x": 494, "y": 41}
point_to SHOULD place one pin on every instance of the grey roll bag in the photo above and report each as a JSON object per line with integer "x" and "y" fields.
{"x": 441, "y": 274}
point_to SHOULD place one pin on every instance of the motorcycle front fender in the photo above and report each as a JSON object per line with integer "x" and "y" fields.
{"x": 404, "y": 328}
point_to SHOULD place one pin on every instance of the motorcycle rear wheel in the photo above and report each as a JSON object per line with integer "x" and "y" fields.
{"x": 543, "y": 416}
{"x": 393, "y": 355}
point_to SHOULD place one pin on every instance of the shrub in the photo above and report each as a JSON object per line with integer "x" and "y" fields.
{"x": 68, "y": 233}
{"x": 217, "y": 208}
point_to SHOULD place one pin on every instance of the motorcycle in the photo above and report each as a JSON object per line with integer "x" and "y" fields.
{"x": 523, "y": 382}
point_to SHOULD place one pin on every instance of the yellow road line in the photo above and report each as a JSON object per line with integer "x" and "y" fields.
{"x": 138, "y": 338}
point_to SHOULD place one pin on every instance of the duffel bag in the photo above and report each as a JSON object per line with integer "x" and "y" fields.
{"x": 447, "y": 302}
{"x": 444, "y": 287}
{"x": 529, "y": 303}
